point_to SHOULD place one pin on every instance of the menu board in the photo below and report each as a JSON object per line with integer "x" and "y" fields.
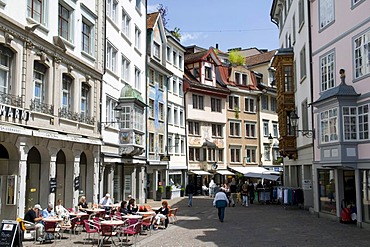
{"x": 9, "y": 233}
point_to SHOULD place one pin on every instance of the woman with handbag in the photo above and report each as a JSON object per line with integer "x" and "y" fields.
{"x": 220, "y": 202}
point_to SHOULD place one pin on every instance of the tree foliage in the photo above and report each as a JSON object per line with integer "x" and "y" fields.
{"x": 176, "y": 33}
{"x": 236, "y": 58}
{"x": 163, "y": 10}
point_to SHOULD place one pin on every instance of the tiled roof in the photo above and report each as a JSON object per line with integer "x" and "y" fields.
{"x": 341, "y": 90}
{"x": 151, "y": 18}
{"x": 259, "y": 58}
{"x": 194, "y": 57}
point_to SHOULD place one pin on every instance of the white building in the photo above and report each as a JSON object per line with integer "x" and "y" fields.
{"x": 123, "y": 101}
{"x": 175, "y": 111}
{"x": 292, "y": 63}
{"x": 51, "y": 55}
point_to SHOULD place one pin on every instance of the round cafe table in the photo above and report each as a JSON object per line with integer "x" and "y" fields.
{"x": 146, "y": 213}
{"x": 95, "y": 210}
{"x": 78, "y": 215}
{"x": 112, "y": 222}
{"x": 52, "y": 219}
{"x": 132, "y": 216}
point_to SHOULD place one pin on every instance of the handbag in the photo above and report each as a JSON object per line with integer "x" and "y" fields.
{"x": 221, "y": 204}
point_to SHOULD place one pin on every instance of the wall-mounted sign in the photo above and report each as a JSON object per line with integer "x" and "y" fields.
{"x": 77, "y": 183}
{"x": 16, "y": 113}
{"x": 165, "y": 157}
{"x": 53, "y": 185}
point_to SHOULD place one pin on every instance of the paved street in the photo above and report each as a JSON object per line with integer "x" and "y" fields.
{"x": 257, "y": 225}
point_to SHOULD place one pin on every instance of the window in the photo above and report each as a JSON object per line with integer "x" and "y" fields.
{"x": 112, "y": 9}
{"x": 181, "y": 118}
{"x": 151, "y": 77}
{"x": 126, "y": 22}
{"x": 194, "y": 154}
{"x": 329, "y": 125}
{"x": 174, "y": 58}
{"x": 169, "y": 115}
{"x": 302, "y": 56}
{"x": 326, "y": 9}
{"x": 301, "y": 13}
{"x": 234, "y": 129}
{"x": 125, "y": 117}
{"x": 66, "y": 92}
{"x": 139, "y": 119}
{"x": 160, "y": 111}
{"x": 327, "y": 71}
{"x": 249, "y": 105}
{"x": 362, "y": 55}
{"x": 237, "y": 78}
{"x": 264, "y": 102}
{"x": 211, "y": 154}
{"x": 250, "y": 154}
{"x": 36, "y": 10}
{"x": 265, "y": 128}
{"x": 174, "y": 85}
{"x": 86, "y": 37}
{"x": 208, "y": 71}
{"x": 235, "y": 154}
{"x": 196, "y": 72}
{"x": 181, "y": 62}
{"x": 168, "y": 54}
{"x": 110, "y": 112}
{"x": 244, "y": 79}
{"x": 160, "y": 143}
{"x": 275, "y": 129}
{"x": 266, "y": 153}
{"x": 125, "y": 69}
{"x": 160, "y": 81}
{"x": 288, "y": 78}
{"x": 156, "y": 50}
{"x": 137, "y": 79}
{"x": 193, "y": 128}
{"x": 198, "y": 102}
{"x": 137, "y": 38}
{"x": 250, "y": 129}
{"x": 111, "y": 57}
{"x": 138, "y": 5}
{"x": 176, "y": 117}
{"x": 363, "y": 122}
{"x": 304, "y": 107}
{"x": 273, "y": 103}
{"x": 220, "y": 155}
{"x": 234, "y": 103}
{"x": 39, "y": 71}
{"x": 215, "y": 105}
{"x": 181, "y": 90}
{"x": 151, "y": 142}
{"x": 216, "y": 130}
{"x": 85, "y": 97}
{"x": 65, "y": 22}
{"x": 350, "y": 123}
{"x": 151, "y": 108}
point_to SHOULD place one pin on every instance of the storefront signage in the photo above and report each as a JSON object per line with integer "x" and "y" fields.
{"x": 307, "y": 184}
{"x": 10, "y": 233}
{"x": 15, "y": 113}
{"x": 72, "y": 138}
{"x": 77, "y": 183}
{"x": 15, "y": 130}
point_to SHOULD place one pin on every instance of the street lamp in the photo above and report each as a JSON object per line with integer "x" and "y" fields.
{"x": 271, "y": 139}
{"x": 294, "y": 121}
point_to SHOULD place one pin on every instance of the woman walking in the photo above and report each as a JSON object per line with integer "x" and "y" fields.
{"x": 220, "y": 202}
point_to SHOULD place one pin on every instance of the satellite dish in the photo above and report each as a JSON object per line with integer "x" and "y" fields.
{"x": 214, "y": 166}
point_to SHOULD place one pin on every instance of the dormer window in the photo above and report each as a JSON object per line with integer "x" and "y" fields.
{"x": 156, "y": 48}
{"x": 208, "y": 71}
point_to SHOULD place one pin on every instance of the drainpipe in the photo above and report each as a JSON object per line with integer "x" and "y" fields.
{"x": 186, "y": 136}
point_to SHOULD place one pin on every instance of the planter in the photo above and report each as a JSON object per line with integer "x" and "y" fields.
{"x": 158, "y": 196}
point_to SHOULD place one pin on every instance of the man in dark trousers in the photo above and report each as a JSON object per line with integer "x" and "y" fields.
{"x": 190, "y": 192}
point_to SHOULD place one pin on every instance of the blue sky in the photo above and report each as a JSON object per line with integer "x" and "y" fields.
{"x": 230, "y": 24}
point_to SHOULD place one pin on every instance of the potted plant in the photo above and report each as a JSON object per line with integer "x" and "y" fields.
{"x": 159, "y": 193}
{"x": 182, "y": 192}
{"x": 168, "y": 191}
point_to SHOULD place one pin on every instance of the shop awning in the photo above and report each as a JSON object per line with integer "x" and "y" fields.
{"x": 199, "y": 172}
{"x": 257, "y": 172}
{"x": 225, "y": 172}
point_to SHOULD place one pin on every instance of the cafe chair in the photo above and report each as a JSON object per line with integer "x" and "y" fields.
{"x": 30, "y": 232}
{"x": 107, "y": 232}
{"x": 173, "y": 218}
{"x": 133, "y": 230}
{"x": 80, "y": 225}
{"x": 51, "y": 228}
{"x": 147, "y": 222}
{"x": 72, "y": 227}
{"x": 90, "y": 228}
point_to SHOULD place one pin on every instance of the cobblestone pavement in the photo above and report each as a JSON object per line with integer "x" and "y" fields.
{"x": 256, "y": 225}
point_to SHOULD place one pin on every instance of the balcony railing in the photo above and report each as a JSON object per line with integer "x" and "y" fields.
{"x": 41, "y": 107}
{"x": 75, "y": 116}
{"x": 9, "y": 99}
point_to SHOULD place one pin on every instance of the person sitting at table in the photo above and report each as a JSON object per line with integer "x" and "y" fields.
{"x": 161, "y": 213}
{"x": 132, "y": 208}
{"x": 82, "y": 205}
{"x": 48, "y": 212}
{"x": 33, "y": 216}
{"x": 62, "y": 212}
{"x": 123, "y": 209}
{"x": 106, "y": 202}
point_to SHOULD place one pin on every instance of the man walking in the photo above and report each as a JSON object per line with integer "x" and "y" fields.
{"x": 190, "y": 192}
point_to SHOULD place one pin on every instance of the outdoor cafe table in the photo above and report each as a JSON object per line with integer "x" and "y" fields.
{"x": 146, "y": 213}
{"x": 78, "y": 215}
{"x": 113, "y": 224}
{"x": 52, "y": 219}
{"x": 95, "y": 210}
{"x": 155, "y": 208}
{"x": 132, "y": 216}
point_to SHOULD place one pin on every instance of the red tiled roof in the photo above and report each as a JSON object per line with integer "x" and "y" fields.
{"x": 194, "y": 57}
{"x": 151, "y": 18}
{"x": 259, "y": 58}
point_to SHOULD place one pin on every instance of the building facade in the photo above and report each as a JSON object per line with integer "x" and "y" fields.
{"x": 122, "y": 169}
{"x": 340, "y": 57}
{"x": 294, "y": 94}
{"x": 51, "y": 73}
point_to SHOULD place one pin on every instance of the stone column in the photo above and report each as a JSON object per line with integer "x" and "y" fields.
{"x": 22, "y": 172}
{"x": 76, "y": 174}
{"x": 52, "y": 173}
{"x": 96, "y": 183}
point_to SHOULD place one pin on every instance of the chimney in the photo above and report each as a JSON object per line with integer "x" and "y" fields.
{"x": 217, "y": 46}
